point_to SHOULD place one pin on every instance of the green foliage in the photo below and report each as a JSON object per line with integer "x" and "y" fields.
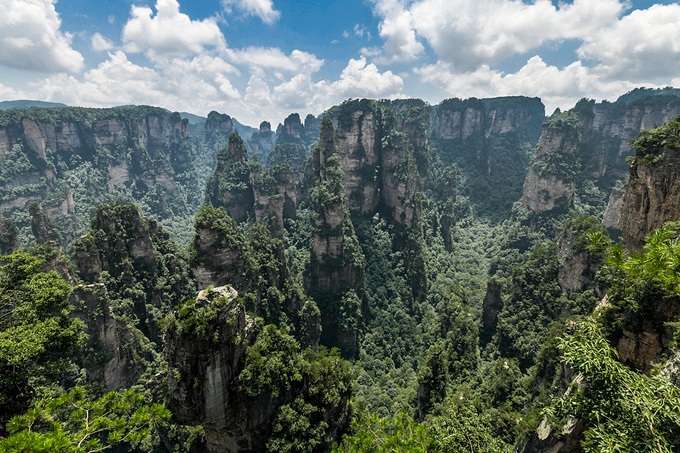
{"x": 74, "y": 422}
{"x": 36, "y": 332}
{"x": 648, "y": 274}
{"x": 272, "y": 363}
{"x": 649, "y": 145}
{"x": 623, "y": 410}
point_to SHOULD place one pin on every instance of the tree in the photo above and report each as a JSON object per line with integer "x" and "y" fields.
{"x": 75, "y": 423}
{"x": 623, "y": 410}
{"x": 36, "y": 332}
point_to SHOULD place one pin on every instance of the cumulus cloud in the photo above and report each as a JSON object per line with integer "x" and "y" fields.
{"x": 101, "y": 43}
{"x": 194, "y": 85}
{"x": 643, "y": 45}
{"x": 359, "y": 79}
{"x": 264, "y": 9}
{"x": 169, "y": 33}
{"x": 472, "y": 33}
{"x": 397, "y": 28}
{"x": 556, "y": 87}
{"x": 30, "y": 38}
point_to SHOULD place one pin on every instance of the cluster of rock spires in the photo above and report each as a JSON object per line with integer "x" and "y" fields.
{"x": 366, "y": 158}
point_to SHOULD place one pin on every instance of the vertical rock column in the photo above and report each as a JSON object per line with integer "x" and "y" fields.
{"x": 335, "y": 274}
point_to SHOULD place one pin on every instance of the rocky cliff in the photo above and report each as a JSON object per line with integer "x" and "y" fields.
{"x": 50, "y": 155}
{"x": 231, "y": 184}
{"x": 491, "y": 142}
{"x": 111, "y": 355}
{"x": 336, "y": 260}
{"x": 294, "y": 141}
{"x": 143, "y": 270}
{"x": 652, "y": 194}
{"x": 581, "y": 154}
{"x": 243, "y": 382}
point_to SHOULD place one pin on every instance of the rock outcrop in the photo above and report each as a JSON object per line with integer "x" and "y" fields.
{"x": 47, "y": 155}
{"x": 652, "y": 195}
{"x": 212, "y": 380}
{"x": 275, "y": 197}
{"x": 137, "y": 261}
{"x": 109, "y": 355}
{"x": 231, "y": 185}
{"x": 336, "y": 260}
{"x": 581, "y": 152}
{"x": 9, "y": 237}
{"x": 262, "y": 141}
{"x": 204, "y": 375}
{"x": 219, "y": 251}
{"x": 490, "y": 141}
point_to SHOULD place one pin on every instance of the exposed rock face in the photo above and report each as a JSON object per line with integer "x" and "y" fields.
{"x": 211, "y": 384}
{"x": 111, "y": 344}
{"x": 490, "y": 140}
{"x": 578, "y": 266}
{"x": 262, "y": 142}
{"x": 592, "y": 140}
{"x": 231, "y": 185}
{"x": 645, "y": 340}
{"x": 42, "y": 226}
{"x": 275, "y": 197}
{"x": 547, "y": 440}
{"x": 612, "y": 214}
{"x": 294, "y": 141}
{"x": 204, "y": 374}
{"x": 652, "y": 198}
{"x": 550, "y": 180}
{"x": 336, "y": 261}
{"x": 220, "y": 255}
{"x": 95, "y": 152}
{"x": 383, "y": 155}
{"x": 143, "y": 265}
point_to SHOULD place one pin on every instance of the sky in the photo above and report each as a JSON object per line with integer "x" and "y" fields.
{"x": 261, "y": 60}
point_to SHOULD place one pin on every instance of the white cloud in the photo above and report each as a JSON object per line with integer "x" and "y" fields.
{"x": 258, "y": 58}
{"x": 361, "y": 80}
{"x": 101, "y": 43}
{"x": 195, "y": 85}
{"x": 472, "y": 33}
{"x": 30, "y": 38}
{"x": 264, "y": 9}
{"x": 397, "y": 28}
{"x": 642, "y": 45}
{"x": 556, "y": 87}
{"x": 169, "y": 33}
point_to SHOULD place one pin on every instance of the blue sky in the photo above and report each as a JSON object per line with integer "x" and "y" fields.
{"x": 263, "y": 59}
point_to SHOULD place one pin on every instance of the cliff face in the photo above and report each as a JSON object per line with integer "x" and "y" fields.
{"x": 383, "y": 152}
{"x": 204, "y": 385}
{"x": 490, "y": 141}
{"x": 145, "y": 271}
{"x": 336, "y": 260}
{"x": 219, "y": 251}
{"x": 294, "y": 141}
{"x": 243, "y": 382}
{"x": 262, "y": 141}
{"x": 652, "y": 197}
{"x": 275, "y": 197}
{"x": 47, "y": 155}
{"x": 111, "y": 345}
{"x": 231, "y": 185}
{"x": 581, "y": 153}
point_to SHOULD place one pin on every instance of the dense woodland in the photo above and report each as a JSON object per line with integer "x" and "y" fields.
{"x": 387, "y": 276}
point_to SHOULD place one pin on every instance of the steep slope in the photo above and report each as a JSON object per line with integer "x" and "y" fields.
{"x": 72, "y": 159}
{"x": 581, "y": 155}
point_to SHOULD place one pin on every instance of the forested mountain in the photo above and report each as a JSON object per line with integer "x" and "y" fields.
{"x": 387, "y": 276}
